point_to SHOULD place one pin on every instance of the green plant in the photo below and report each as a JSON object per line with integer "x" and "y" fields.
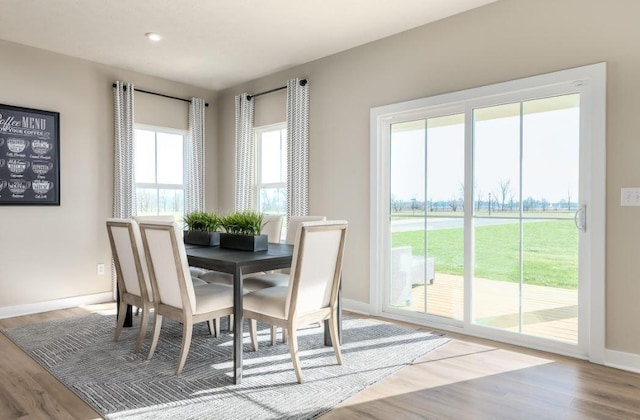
{"x": 202, "y": 221}
{"x": 242, "y": 222}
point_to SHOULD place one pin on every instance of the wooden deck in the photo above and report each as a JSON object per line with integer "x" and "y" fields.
{"x": 548, "y": 312}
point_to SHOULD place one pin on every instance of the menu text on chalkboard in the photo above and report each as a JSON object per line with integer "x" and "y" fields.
{"x": 29, "y": 156}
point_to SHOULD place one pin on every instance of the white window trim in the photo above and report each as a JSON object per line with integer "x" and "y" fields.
{"x": 590, "y": 81}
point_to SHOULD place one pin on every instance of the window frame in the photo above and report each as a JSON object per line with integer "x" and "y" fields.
{"x": 257, "y": 133}
{"x": 162, "y": 186}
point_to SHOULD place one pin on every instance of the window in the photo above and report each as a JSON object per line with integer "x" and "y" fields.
{"x": 159, "y": 171}
{"x": 271, "y": 177}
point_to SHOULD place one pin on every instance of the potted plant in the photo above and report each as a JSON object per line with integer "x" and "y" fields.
{"x": 242, "y": 231}
{"x": 202, "y": 228}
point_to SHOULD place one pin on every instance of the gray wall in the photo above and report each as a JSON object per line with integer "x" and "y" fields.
{"x": 502, "y": 41}
{"x": 51, "y": 253}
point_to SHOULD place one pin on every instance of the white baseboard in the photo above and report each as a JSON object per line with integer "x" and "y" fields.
{"x": 52, "y": 305}
{"x": 356, "y": 306}
{"x": 622, "y": 360}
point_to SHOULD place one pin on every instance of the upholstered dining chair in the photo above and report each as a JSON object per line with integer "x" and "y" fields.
{"x": 312, "y": 293}
{"x": 259, "y": 281}
{"x": 174, "y": 295}
{"x": 132, "y": 275}
{"x": 272, "y": 227}
{"x": 134, "y": 287}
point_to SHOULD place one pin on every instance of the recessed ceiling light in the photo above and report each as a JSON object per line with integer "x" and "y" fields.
{"x": 153, "y": 36}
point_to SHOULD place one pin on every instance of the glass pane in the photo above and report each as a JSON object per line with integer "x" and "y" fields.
{"x": 171, "y": 202}
{"x": 550, "y": 164}
{"x": 497, "y": 160}
{"x": 550, "y": 279}
{"x": 442, "y": 268}
{"x": 273, "y": 158}
{"x": 273, "y": 200}
{"x": 407, "y": 200}
{"x": 145, "y": 156}
{"x": 496, "y": 276}
{"x": 146, "y": 201}
{"x": 170, "y": 158}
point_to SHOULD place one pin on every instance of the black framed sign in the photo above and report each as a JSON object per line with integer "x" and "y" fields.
{"x": 29, "y": 156}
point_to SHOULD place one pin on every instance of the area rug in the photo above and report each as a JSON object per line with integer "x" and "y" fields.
{"x": 118, "y": 384}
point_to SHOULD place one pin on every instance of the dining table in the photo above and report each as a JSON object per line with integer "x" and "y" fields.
{"x": 239, "y": 263}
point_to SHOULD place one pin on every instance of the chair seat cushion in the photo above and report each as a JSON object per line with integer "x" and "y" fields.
{"x": 217, "y": 277}
{"x": 262, "y": 281}
{"x": 197, "y": 271}
{"x": 270, "y": 301}
{"x": 197, "y": 282}
{"x": 212, "y": 297}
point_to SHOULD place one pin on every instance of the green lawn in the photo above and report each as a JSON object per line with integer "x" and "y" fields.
{"x": 550, "y": 255}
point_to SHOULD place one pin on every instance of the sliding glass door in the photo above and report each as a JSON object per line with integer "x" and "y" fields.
{"x": 480, "y": 214}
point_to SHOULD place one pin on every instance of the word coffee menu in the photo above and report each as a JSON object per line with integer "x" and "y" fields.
{"x": 29, "y": 156}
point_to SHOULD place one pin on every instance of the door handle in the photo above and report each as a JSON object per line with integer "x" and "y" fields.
{"x": 580, "y": 219}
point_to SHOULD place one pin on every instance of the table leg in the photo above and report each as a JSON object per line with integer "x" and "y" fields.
{"x": 327, "y": 335}
{"x": 237, "y": 326}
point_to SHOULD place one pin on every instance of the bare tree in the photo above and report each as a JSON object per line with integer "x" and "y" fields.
{"x": 544, "y": 204}
{"x": 569, "y": 194}
{"x": 505, "y": 189}
{"x": 453, "y": 203}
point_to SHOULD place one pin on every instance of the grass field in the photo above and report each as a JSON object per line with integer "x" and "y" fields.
{"x": 549, "y": 254}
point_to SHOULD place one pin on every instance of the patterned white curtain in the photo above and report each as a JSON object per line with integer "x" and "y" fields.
{"x": 124, "y": 196}
{"x": 244, "y": 153}
{"x": 297, "y": 148}
{"x": 194, "y": 199}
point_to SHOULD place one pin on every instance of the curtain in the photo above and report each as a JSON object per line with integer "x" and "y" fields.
{"x": 194, "y": 194}
{"x": 244, "y": 153}
{"x": 124, "y": 196}
{"x": 297, "y": 148}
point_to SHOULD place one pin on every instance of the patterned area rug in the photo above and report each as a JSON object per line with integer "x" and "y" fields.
{"x": 118, "y": 384}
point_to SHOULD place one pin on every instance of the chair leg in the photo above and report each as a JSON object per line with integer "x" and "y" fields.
{"x": 216, "y": 324}
{"x": 293, "y": 349}
{"x": 335, "y": 340}
{"x": 144, "y": 320}
{"x": 253, "y": 327}
{"x": 122, "y": 313}
{"x": 285, "y": 335}
{"x": 157, "y": 324}
{"x": 187, "y": 332}
{"x": 274, "y": 333}
{"x": 212, "y": 327}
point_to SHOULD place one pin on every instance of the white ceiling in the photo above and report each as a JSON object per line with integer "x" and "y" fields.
{"x": 213, "y": 44}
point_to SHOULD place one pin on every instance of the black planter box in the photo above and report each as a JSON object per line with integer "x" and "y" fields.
{"x": 243, "y": 242}
{"x": 198, "y": 237}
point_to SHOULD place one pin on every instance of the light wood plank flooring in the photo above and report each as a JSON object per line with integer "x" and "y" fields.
{"x": 468, "y": 378}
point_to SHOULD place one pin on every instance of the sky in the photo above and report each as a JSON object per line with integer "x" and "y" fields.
{"x": 550, "y": 159}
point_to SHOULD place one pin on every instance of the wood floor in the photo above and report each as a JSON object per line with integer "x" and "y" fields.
{"x": 468, "y": 378}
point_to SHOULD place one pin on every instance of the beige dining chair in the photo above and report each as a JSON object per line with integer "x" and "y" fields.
{"x": 272, "y": 227}
{"x": 174, "y": 295}
{"x": 134, "y": 287}
{"x": 312, "y": 293}
{"x": 259, "y": 281}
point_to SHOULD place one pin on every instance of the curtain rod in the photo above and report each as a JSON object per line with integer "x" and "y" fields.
{"x": 160, "y": 94}
{"x": 302, "y": 83}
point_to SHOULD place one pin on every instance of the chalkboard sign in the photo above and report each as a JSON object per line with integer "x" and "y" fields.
{"x": 29, "y": 156}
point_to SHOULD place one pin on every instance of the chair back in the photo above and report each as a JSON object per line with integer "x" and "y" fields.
{"x": 294, "y": 225}
{"x": 272, "y": 227}
{"x": 316, "y": 266}
{"x": 128, "y": 255}
{"x": 168, "y": 265}
{"x": 154, "y": 218}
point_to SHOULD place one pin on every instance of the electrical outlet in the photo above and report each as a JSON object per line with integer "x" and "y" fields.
{"x": 630, "y": 196}
{"x": 100, "y": 269}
